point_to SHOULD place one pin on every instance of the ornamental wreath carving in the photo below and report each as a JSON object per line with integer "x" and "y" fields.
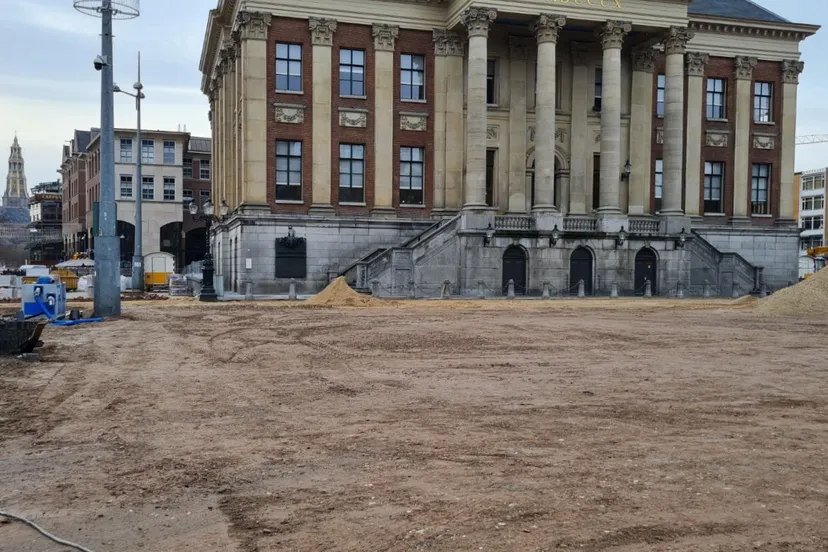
{"x": 716, "y": 140}
{"x": 289, "y": 113}
{"x": 353, "y": 119}
{"x": 764, "y": 142}
{"x": 413, "y": 122}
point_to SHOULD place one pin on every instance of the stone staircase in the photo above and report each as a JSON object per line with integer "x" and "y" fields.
{"x": 721, "y": 272}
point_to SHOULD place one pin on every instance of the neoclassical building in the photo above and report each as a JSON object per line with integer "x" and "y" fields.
{"x": 546, "y": 142}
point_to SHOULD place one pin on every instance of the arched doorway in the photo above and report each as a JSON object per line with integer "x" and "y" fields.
{"x": 580, "y": 268}
{"x": 646, "y": 268}
{"x": 195, "y": 245}
{"x": 126, "y": 237}
{"x": 514, "y": 268}
{"x": 171, "y": 237}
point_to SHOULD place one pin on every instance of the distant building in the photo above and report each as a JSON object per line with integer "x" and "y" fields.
{"x": 45, "y": 229}
{"x": 74, "y": 170}
{"x": 197, "y": 187}
{"x": 16, "y": 194}
{"x": 810, "y": 202}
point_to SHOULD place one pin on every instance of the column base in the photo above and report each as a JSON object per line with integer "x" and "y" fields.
{"x": 608, "y": 211}
{"x": 545, "y": 209}
{"x": 321, "y": 209}
{"x": 383, "y": 212}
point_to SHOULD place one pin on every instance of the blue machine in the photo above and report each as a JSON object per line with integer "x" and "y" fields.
{"x": 45, "y": 293}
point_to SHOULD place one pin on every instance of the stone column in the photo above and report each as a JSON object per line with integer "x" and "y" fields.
{"x": 321, "y": 32}
{"x": 455, "y": 124}
{"x": 612, "y": 35}
{"x": 791, "y": 69}
{"x": 578, "y": 141}
{"x": 518, "y": 56}
{"x": 385, "y": 39}
{"x": 231, "y": 188}
{"x": 675, "y": 44}
{"x": 215, "y": 174}
{"x": 212, "y": 116}
{"x": 743, "y": 71}
{"x": 233, "y": 129}
{"x": 440, "y": 102}
{"x": 695, "y": 64}
{"x": 477, "y": 21}
{"x": 641, "y": 130}
{"x": 254, "y": 28}
{"x": 546, "y": 29}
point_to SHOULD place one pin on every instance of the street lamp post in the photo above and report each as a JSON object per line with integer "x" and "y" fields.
{"x": 208, "y": 291}
{"x": 138, "y": 254}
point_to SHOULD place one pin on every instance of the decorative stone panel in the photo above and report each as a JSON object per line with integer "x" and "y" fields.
{"x": 716, "y": 139}
{"x": 660, "y": 135}
{"x": 289, "y": 113}
{"x": 414, "y": 121}
{"x": 492, "y": 132}
{"x": 764, "y": 141}
{"x": 353, "y": 118}
{"x": 560, "y": 134}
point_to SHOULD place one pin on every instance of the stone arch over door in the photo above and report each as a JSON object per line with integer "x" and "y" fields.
{"x": 646, "y": 268}
{"x": 561, "y": 171}
{"x": 515, "y": 267}
{"x": 581, "y": 263}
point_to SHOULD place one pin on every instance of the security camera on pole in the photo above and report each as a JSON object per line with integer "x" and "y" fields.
{"x": 107, "y": 248}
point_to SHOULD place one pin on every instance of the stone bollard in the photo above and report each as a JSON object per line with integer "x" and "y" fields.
{"x": 375, "y": 288}
{"x": 292, "y": 290}
{"x": 581, "y": 289}
{"x": 648, "y": 288}
{"x": 248, "y": 291}
{"x": 481, "y": 289}
{"x": 445, "y": 293}
{"x": 546, "y": 293}
{"x": 679, "y": 291}
{"x": 614, "y": 290}
{"x": 510, "y": 289}
{"x": 412, "y": 291}
{"x": 736, "y": 291}
{"x": 707, "y": 292}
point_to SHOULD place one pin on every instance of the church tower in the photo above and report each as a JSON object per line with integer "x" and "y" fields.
{"x": 17, "y": 194}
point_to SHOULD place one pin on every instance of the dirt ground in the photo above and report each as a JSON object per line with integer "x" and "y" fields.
{"x": 499, "y": 426}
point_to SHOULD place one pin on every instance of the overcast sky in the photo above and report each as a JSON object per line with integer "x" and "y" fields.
{"x": 48, "y": 86}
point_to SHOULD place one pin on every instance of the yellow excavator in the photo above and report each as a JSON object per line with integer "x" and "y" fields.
{"x": 818, "y": 255}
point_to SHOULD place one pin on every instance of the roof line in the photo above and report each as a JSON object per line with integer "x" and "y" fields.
{"x": 767, "y": 11}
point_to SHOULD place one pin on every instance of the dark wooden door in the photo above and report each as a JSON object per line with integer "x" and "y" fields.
{"x": 646, "y": 268}
{"x": 580, "y": 268}
{"x": 514, "y": 268}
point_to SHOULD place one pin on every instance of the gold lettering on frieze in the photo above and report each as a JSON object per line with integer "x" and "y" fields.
{"x": 611, "y": 4}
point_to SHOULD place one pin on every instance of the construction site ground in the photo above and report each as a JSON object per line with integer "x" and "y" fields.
{"x": 512, "y": 426}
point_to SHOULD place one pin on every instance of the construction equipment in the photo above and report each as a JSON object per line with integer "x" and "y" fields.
{"x": 818, "y": 255}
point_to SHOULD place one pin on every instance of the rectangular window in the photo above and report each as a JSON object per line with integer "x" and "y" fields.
{"x": 813, "y": 223}
{"x": 147, "y": 151}
{"x": 288, "y": 170}
{"x": 491, "y": 82}
{"x": 188, "y": 198}
{"x": 662, "y": 88}
{"x": 762, "y": 96}
{"x": 809, "y": 242}
{"x": 760, "y": 189}
{"x": 351, "y": 173}
{"x": 490, "y": 176}
{"x": 599, "y": 88}
{"x": 288, "y": 67}
{"x": 148, "y": 187}
{"x": 819, "y": 202}
{"x": 351, "y": 72}
{"x": 169, "y": 188}
{"x": 715, "y": 98}
{"x": 188, "y": 167}
{"x": 126, "y": 150}
{"x": 169, "y": 152}
{"x": 412, "y": 169}
{"x": 659, "y": 183}
{"x": 126, "y": 186}
{"x": 204, "y": 196}
{"x": 807, "y": 203}
{"x": 204, "y": 169}
{"x": 412, "y": 77}
{"x": 713, "y": 179}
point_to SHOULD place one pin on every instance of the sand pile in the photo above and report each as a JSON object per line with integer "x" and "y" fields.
{"x": 339, "y": 294}
{"x": 807, "y": 298}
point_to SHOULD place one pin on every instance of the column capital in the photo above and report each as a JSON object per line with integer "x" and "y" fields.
{"x": 791, "y": 68}
{"x": 448, "y": 43}
{"x": 645, "y": 60}
{"x": 235, "y": 39}
{"x": 385, "y": 36}
{"x": 676, "y": 38}
{"x": 519, "y": 47}
{"x": 253, "y": 25}
{"x": 612, "y": 33}
{"x": 743, "y": 67}
{"x": 695, "y": 63}
{"x": 548, "y": 26}
{"x": 321, "y": 30}
{"x": 478, "y": 20}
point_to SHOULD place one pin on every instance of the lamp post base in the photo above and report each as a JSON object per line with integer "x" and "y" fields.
{"x": 208, "y": 292}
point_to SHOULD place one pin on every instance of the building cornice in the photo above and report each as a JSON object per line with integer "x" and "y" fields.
{"x": 784, "y": 31}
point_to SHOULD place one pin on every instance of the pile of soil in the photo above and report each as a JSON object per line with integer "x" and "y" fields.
{"x": 807, "y": 298}
{"x": 339, "y": 294}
